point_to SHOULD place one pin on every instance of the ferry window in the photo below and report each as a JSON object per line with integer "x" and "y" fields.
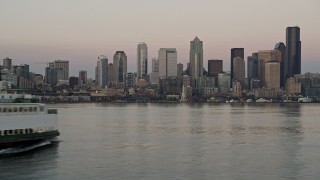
{"x": 15, "y": 109}
{"x": 4, "y": 110}
{"x": 2, "y": 97}
{"x": 20, "y": 109}
{"x": 31, "y": 130}
{"x": 10, "y": 132}
{"x": 35, "y": 109}
{"x": 16, "y": 131}
{"x": 5, "y": 132}
{"x": 26, "y": 131}
{"x": 0, "y": 133}
{"x": 9, "y": 109}
{"x": 30, "y": 109}
{"x": 25, "y": 109}
{"x": 41, "y": 108}
{"x": 21, "y": 131}
{"x": 10, "y": 97}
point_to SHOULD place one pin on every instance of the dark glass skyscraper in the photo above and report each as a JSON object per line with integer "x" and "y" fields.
{"x": 292, "y": 63}
{"x": 280, "y": 46}
{"x": 235, "y": 52}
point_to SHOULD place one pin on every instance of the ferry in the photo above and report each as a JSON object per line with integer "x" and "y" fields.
{"x": 304, "y": 100}
{"x": 25, "y": 123}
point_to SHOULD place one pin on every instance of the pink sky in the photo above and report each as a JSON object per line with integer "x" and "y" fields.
{"x": 36, "y": 31}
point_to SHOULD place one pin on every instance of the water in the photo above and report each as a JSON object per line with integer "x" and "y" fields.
{"x": 176, "y": 141}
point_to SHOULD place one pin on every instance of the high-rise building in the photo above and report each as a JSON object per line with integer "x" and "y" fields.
{"x": 7, "y": 63}
{"x": 179, "y": 70}
{"x": 142, "y": 57}
{"x": 215, "y": 67}
{"x": 102, "y": 65}
{"x": 272, "y": 75}
{"x": 155, "y": 65}
{"x": 235, "y": 52}
{"x": 239, "y": 70}
{"x": 196, "y": 62}
{"x": 265, "y": 56}
{"x": 21, "y": 70}
{"x": 292, "y": 63}
{"x": 252, "y": 66}
{"x": 110, "y": 73}
{"x": 62, "y": 67}
{"x": 83, "y": 77}
{"x": 120, "y": 66}
{"x": 281, "y": 47}
{"x": 167, "y": 62}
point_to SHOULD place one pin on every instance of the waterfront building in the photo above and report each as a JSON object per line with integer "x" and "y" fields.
{"x": 167, "y": 62}
{"x": 239, "y": 70}
{"x": 255, "y": 83}
{"x": 293, "y": 86}
{"x": 130, "y": 79}
{"x": 120, "y": 66}
{"x": 196, "y": 63}
{"x": 236, "y": 88}
{"x": 21, "y": 70}
{"x": 169, "y": 86}
{"x": 224, "y": 83}
{"x": 292, "y": 63}
{"x": 51, "y": 76}
{"x": 38, "y": 79}
{"x": 272, "y": 75}
{"x": 207, "y": 85}
{"x": 235, "y": 52}
{"x": 142, "y": 60}
{"x": 102, "y": 65}
{"x": 281, "y": 47}
{"x": 73, "y": 82}
{"x": 310, "y": 84}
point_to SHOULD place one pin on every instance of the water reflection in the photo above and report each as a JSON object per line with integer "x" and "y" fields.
{"x": 24, "y": 165}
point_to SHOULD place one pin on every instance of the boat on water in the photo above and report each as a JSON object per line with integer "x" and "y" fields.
{"x": 24, "y": 123}
{"x": 304, "y": 100}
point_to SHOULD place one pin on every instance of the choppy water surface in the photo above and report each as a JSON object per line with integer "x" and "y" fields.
{"x": 176, "y": 141}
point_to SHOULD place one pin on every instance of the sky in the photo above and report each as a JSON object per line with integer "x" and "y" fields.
{"x": 35, "y": 32}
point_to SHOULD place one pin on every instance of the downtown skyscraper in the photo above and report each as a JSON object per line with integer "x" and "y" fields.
{"x": 120, "y": 66}
{"x": 292, "y": 63}
{"x": 102, "y": 71}
{"x": 235, "y": 52}
{"x": 196, "y": 62}
{"x": 142, "y": 60}
{"x": 167, "y": 58}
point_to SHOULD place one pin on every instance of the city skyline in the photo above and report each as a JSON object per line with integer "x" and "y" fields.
{"x": 36, "y": 32}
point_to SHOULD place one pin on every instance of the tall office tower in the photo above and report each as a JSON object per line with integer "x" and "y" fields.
{"x": 265, "y": 56}
{"x": 179, "y": 70}
{"x": 239, "y": 70}
{"x": 102, "y": 67}
{"x": 272, "y": 75}
{"x": 252, "y": 66}
{"x": 7, "y": 63}
{"x": 83, "y": 77}
{"x": 21, "y": 70}
{"x": 120, "y": 66}
{"x": 142, "y": 57}
{"x": 215, "y": 67}
{"x": 110, "y": 73}
{"x": 196, "y": 62}
{"x": 62, "y": 66}
{"x": 235, "y": 52}
{"x": 292, "y": 63}
{"x": 281, "y": 47}
{"x": 167, "y": 62}
{"x": 155, "y": 65}
{"x": 51, "y": 76}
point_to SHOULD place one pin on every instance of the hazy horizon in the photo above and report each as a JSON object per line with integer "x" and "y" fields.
{"x": 37, "y": 31}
